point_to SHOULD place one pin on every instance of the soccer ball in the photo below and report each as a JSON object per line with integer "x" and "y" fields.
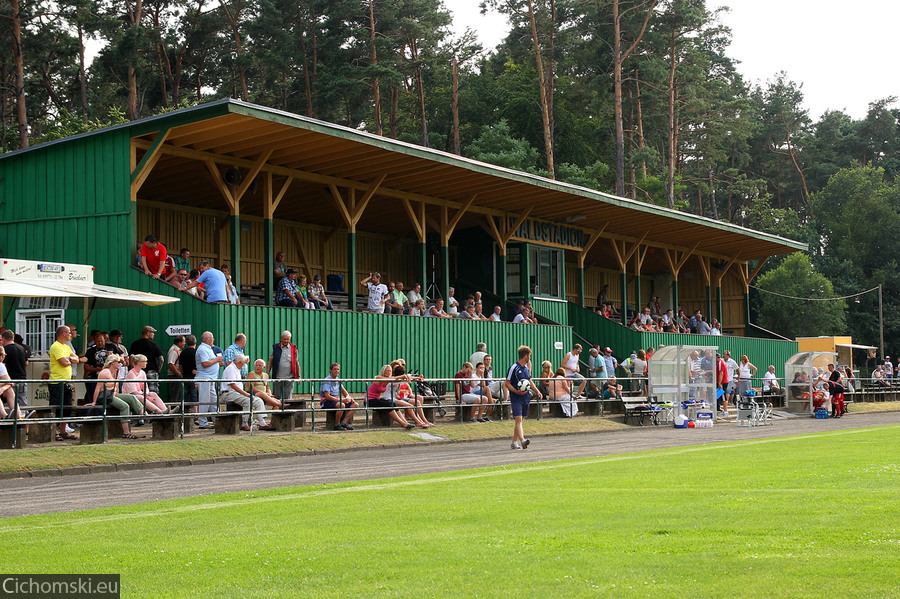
{"x": 524, "y": 384}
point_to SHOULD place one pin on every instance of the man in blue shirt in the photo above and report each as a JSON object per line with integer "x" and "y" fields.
{"x": 213, "y": 281}
{"x": 208, "y": 363}
{"x": 519, "y": 385}
{"x": 335, "y": 397}
{"x": 240, "y": 340}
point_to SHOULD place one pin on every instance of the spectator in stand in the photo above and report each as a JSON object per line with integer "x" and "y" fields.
{"x": 317, "y": 293}
{"x": 703, "y": 327}
{"x": 7, "y": 390}
{"x": 695, "y": 373}
{"x": 214, "y": 282}
{"x": 746, "y": 372}
{"x": 519, "y": 386}
{"x": 183, "y": 260}
{"x": 279, "y": 268}
{"x": 848, "y": 376}
{"x": 715, "y": 327}
{"x": 479, "y": 353}
{"x": 284, "y": 364}
{"x": 233, "y": 391}
{"x": 602, "y": 296}
{"x": 695, "y": 320}
{"x": 572, "y": 369}
{"x": 596, "y": 368}
{"x": 335, "y": 397}
{"x": 259, "y": 385}
{"x": 770, "y": 381}
{"x": 480, "y": 386}
{"x": 437, "y": 310}
{"x": 288, "y": 293}
{"x": 115, "y": 337}
{"x": 526, "y": 316}
{"x": 516, "y": 311}
{"x": 479, "y": 313}
{"x": 377, "y": 293}
{"x": 304, "y": 293}
{"x": 495, "y": 315}
{"x": 402, "y": 388}
{"x": 136, "y": 384}
{"x": 545, "y": 376}
{"x": 468, "y": 313}
{"x": 180, "y": 279}
{"x": 187, "y": 366}
{"x": 153, "y": 257}
{"x": 174, "y": 368}
{"x": 391, "y": 303}
{"x": 560, "y": 389}
{"x": 464, "y": 395}
{"x": 611, "y": 389}
{"x": 415, "y": 294}
{"x": 231, "y": 293}
{"x": 16, "y": 363}
{"x": 62, "y": 357}
{"x": 610, "y": 361}
{"x": 496, "y": 386}
{"x": 170, "y": 270}
{"x": 400, "y": 297}
{"x": 95, "y": 361}
{"x": 418, "y": 308}
{"x": 105, "y": 393}
{"x": 452, "y": 304}
{"x": 193, "y": 286}
{"x": 207, "y": 364}
{"x": 888, "y": 369}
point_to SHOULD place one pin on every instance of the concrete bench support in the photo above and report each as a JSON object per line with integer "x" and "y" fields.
{"x": 6, "y": 436}
{"x": 40, "y": 432}
{"x": 283, "y": 422}
{"x": 228, "y": 424}
{"x": 164, "y": 428}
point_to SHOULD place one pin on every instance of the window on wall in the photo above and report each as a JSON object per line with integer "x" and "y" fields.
{"x": 38, "y": 328}
{"x": 545, "y": 271}
{"x": 514, "y": 270}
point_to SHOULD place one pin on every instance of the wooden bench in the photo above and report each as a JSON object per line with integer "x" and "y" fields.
{"x": 637, "y": 408}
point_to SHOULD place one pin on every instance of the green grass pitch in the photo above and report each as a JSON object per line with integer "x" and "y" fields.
{"x": 806, "y": 516}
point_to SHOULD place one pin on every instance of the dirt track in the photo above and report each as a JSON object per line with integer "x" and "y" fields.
{"x": 19, "y": 497}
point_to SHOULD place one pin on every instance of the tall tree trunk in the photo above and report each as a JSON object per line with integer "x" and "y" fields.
{"x": 670, "y": 159}
{"x": 543, "y": 90}
{"x": 619, "y": 57}
{"x": 376, "y": 86}
{"x": 631, "y": 170}
{"x": 420, "y": 88}
{"x": 712, "y": 193}
{"x": 454, "y": 106}
{"x": 135, "y": 14}
{"x": 640, "y": 120}
{"x": 19, "y": 74}
{"x": 234, "y": 21}
{"x": 395, "y": 110}
{"x": 82, "y": 71}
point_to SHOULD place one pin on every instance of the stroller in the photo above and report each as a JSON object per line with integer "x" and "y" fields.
{"x": 431, "y": 390}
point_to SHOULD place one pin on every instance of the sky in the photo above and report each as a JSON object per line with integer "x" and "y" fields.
{"x": 843, "y": 58}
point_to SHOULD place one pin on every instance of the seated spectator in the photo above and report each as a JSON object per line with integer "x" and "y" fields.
{"x": 464, "y": 396}
{"x": 470, "y": 300}
{"x": 703, "y": 327}
{"x": 560, "y": 389}
{"x": 480, "y": 386}
{"x": 230, "y": 292}
{"x": 259, "y": 385}
{"x": 7, "y": 389}
{"x": 180, "y": 279}
{"x": 153, "y": 257}
{"x": 452, "y": 304}
{"x": 402, "y": 388}
{"x": 468, "y": 313}
{"x": 526, "y": 316}
{"x": 378, "y": 292}
{"x": 848, "y": 376}
{"x": 418, "y": 308}
{"x": 495, "y": 315}
{"x": 546, "y": 375}
{"x": 479, "y": 314}
{"x": 520, "y": 305}
{"x": 770, "y": 381}
{"x": 400, "y": 297}
{"x": 611, "y": 389}
{"x": 334, "y": 396}
{"x": 316, "y": 293}
{"x": 105, "y": 393}
{"x": 233, "y": 391}
{"x": 498, "y": 390}
{"x": 715, "y": 328}
{"x": 374, "y": 398}
{"x": 879, "y": 378}
{"x": 194, "y": 287}
{"x": 437, "y": 310}
{"x": 170, "y": 270}
{"x": 136, "y": 384}
{"x": 288, "y": 293}
{"x": 391, "y": 305}
{"x": 183, "y": 260}
{"x": 415, "y": 294}
{"x": 572, "y": 370}
{"x": 304, "y": 293}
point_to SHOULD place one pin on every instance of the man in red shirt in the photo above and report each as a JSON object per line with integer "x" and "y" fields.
{"x": 153, "y": 257}
{"x": 722, "y": 383}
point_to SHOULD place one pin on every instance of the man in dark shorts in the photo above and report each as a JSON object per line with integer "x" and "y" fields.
{"x": 16, "y": 364}
{"x": 187, "y": 360}
{"x": 335, "y": 397}
{"x": 520, "y": 386}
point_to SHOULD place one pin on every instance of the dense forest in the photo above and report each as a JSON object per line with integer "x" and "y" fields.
{"x": 633, "y": 97}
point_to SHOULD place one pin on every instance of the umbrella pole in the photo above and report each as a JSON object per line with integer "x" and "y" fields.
{"x": 87, "y": 319}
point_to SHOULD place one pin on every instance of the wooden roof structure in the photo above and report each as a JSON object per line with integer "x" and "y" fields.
{"x": 326, "y": 174}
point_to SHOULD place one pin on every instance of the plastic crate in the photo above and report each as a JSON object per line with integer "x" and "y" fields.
{"x": 822, "y": 413}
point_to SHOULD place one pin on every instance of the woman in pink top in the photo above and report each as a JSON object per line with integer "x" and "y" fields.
{"x": 374, "y": 399}
{"x": 151, "y": 400}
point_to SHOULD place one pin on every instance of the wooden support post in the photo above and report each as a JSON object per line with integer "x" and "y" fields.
{"x": 236, "y": 251}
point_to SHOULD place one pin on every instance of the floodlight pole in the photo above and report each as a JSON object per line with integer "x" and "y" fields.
{"x": 880, "y": 322}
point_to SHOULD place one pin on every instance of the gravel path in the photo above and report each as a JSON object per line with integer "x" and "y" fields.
{"x": 28, "y": 496}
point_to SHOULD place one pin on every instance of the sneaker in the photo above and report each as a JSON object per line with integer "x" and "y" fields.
{"x": 346, "y": 426}
{"x": 526, "y": 443}
{"x": 338, "y": 428}
{"x": 474, "y": 420}
{"x": 516, "y": 445}
{"x": 485, "y": 419}
{"x": 69, "y": 429}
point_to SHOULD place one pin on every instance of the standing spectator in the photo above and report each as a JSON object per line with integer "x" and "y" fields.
{"x": 402, "y": 299}
{"x": 16, "y": 364}
{"x": 602, "y": 296}
{"x": 596, "y": 368}
{"x": 71, "y": 343}
{"x": 213, "y": 281}
{"x": 722, "y": 380}
{"x": 183, "y": 260}
{"x": 95, "y": 361}
{"x": 317, "y": 293}
{"x": 288, "y": 293}
{"x": 415, "y": 294}
{"x": 155, "y": 357}
{"x": 377, "y": 293}
{"x": 610, "y": 361}
{"x": 479, "y": 353}
{"x": 283, "y": 364}
{"x": 888, "y": 369}
{"x": 573, "y": 371}
{"x": 391, "y": 305}
{"x": 695, "y": 320}
{"x": 115, "y": 337}
{"x": 207, "y": 363}
{"x": 520, "y": 386}
{"x": 187, "y": 366}
{"x": 746, "y": 372}
{"x": 732, "y": 367}
{"x": 695, "y": 375}
{"x": 174, "y": 368}
{"x": 496, "y": 387}
{"x": 280, "y": 268}
{"x": 240, "y": 341}
{"x": 231, "y": 292}
{"x": 452, "y": 304}
{"x": 233, "y": 391}
{"x": 153, "y": 257}
{"x": 334, "y": 397}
